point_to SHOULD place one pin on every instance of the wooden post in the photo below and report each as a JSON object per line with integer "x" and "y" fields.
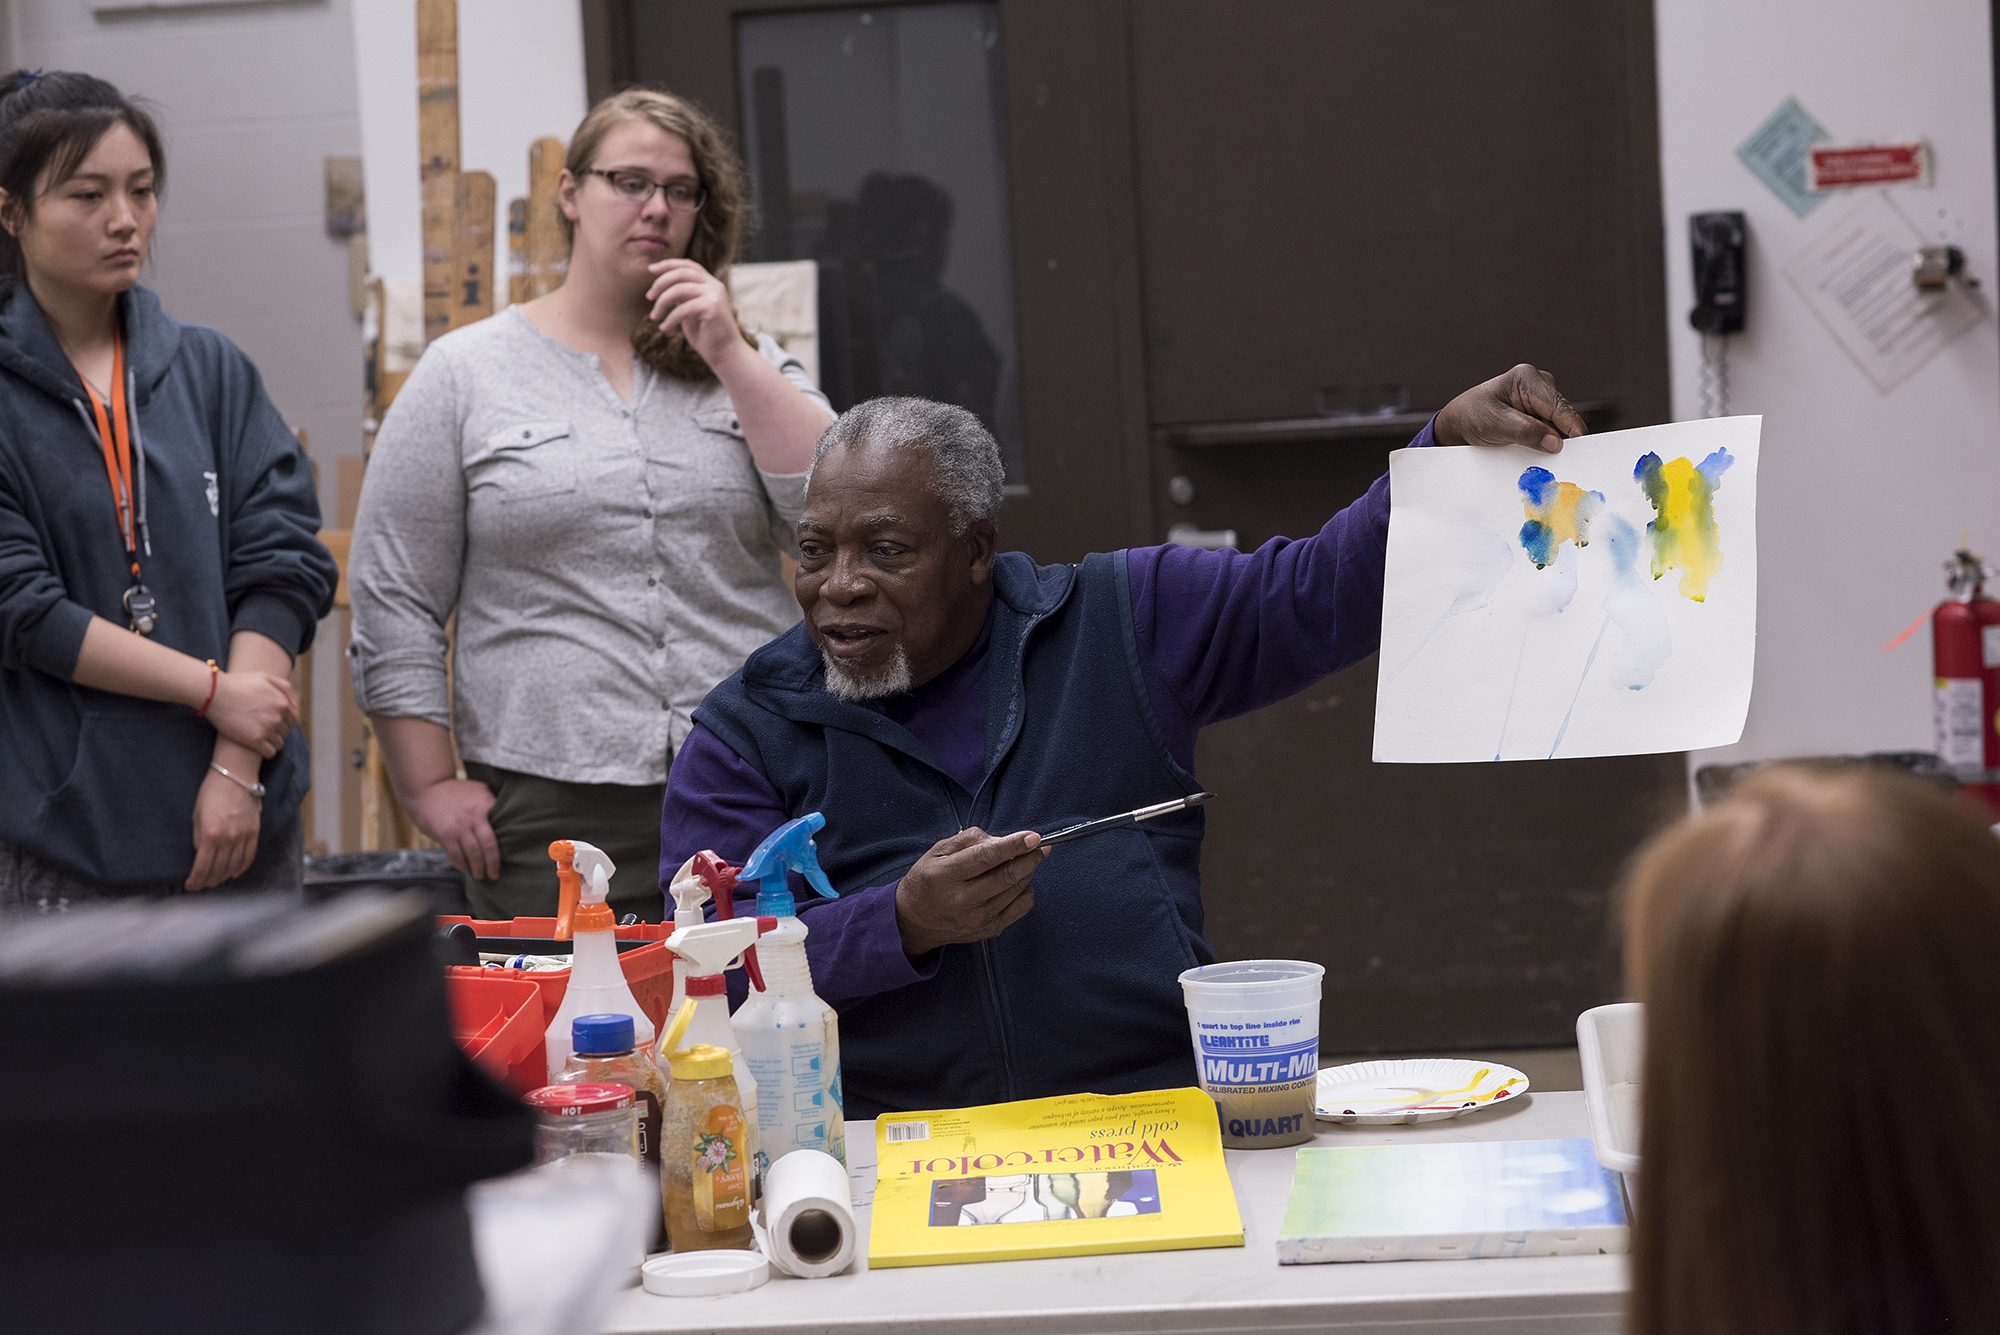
{"x": 517, "y": 250}
{"x": 472, "y": 249}
{"x": 545, "y": 252}
{"x": 437, "y": 137}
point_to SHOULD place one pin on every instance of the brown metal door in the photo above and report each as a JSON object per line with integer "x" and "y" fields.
{"x": 1346, "y": 192}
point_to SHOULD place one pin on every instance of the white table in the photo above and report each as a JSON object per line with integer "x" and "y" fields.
{"x": 1234, "y": 1289}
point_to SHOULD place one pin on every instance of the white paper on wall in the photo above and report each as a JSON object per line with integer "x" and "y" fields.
{"x": 1601, "y": 601}
{"x": 1855, "y": 274}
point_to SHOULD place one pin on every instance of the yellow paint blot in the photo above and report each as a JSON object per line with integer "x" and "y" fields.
{"x": 1683, "y": 531}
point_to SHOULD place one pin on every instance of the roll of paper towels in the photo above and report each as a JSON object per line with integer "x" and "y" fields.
{"x": 808, "y": 1223}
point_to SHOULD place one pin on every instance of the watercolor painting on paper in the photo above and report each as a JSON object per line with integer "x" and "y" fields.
{"x": 1597, "y": 602}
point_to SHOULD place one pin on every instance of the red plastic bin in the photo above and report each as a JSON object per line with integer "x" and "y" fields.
{"x": 649, "y": 970}
{"x": 499, "y": 1022}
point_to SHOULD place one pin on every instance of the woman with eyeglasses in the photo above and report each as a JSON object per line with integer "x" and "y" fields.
{"x": 598, "y": 485}
{"x": 158, "y": 568}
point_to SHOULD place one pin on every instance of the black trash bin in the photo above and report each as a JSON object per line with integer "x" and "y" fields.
{"x": 196, "y": 1143}
{"x": 425, "y": 869}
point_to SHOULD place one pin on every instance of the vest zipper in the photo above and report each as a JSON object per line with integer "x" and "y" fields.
{"x": 989, "y": 971}
{"x": 992, "y": 975}
{"x": 989, "y": 966}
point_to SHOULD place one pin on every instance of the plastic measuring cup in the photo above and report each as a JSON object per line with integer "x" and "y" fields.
{"x": 1256, "y": 1041}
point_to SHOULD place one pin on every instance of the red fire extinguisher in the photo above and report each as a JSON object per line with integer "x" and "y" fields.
{"x": 1965, "y": 651}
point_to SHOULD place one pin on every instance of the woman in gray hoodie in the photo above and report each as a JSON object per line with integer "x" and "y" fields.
{"x": 158, "y": 565}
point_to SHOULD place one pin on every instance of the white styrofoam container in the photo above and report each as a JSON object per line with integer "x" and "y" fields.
{"x": 1611, "y": 1043}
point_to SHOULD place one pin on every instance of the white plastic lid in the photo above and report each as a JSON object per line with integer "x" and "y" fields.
{"x": 1252, "y": 978}
{"x": 700, "y": 1274}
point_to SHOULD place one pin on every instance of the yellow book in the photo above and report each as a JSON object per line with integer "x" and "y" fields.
{"x": 1080, "y": 1175}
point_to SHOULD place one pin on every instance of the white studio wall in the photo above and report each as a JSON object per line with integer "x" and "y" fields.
{"x": 248, "y": 124}
{"x": 1863, "y": 492}
{"x": 520, "y": 77}
{"x": 251, "y": 101}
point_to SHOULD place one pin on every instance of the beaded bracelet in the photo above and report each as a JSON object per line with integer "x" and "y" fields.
{"x": 214, "y": 679}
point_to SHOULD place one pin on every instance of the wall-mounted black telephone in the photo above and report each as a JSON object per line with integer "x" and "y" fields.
{"x": 1721, "y": 295}
{"x": 1721, "y": 282}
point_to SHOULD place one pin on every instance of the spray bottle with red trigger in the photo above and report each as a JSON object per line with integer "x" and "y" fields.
{"x": 702, "y": 878}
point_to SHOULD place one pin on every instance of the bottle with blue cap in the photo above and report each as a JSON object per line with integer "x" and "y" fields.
{"x": 790, "y": 1038}
{"x": 605, "y": 1048}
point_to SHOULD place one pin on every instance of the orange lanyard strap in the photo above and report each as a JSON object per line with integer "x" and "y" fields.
{"x": 113, "y": 433}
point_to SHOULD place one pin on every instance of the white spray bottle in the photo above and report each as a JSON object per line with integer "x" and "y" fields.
{"x": 790, "y": 1037}
{"x": 709, "y": 949}
{"x": 701, "y": 878}
{"x": 596, "y": 981}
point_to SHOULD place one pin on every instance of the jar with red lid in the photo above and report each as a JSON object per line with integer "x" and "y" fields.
{"x": 595, "y": 1119}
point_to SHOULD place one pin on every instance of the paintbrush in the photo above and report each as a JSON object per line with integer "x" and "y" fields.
{"x": 1063, "y": 836}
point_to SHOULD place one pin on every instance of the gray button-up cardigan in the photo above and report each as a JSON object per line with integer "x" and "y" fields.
{"x": 608, "y": 562}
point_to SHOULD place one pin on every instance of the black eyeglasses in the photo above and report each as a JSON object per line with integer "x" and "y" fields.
{"x": 637, "y": 188}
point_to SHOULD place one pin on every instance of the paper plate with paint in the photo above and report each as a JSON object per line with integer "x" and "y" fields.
{"x": 1426, "y": 1089}
{"x": 1597, "y": 602}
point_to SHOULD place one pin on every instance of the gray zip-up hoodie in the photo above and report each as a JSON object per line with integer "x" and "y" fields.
{"x": 105, "y": 784}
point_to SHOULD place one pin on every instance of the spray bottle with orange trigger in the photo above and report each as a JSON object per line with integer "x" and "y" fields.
{"x": 596, "y": 980}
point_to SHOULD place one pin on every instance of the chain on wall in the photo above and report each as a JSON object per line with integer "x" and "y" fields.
{"x": 1715, "y": 375}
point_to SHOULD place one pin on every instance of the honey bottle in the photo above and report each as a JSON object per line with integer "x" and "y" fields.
{"x": 705, "y": 1171}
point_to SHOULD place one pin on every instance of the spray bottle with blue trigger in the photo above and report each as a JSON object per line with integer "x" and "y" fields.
{"x": 791, "y": 1038}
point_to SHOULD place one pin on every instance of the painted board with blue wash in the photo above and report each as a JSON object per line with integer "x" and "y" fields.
{"x": 1451, "y": 1200}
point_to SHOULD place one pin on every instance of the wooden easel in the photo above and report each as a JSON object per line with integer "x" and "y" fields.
{"x": 458, "y": 286}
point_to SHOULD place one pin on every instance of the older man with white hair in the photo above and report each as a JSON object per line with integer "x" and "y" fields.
{"x": 939, "y": 688}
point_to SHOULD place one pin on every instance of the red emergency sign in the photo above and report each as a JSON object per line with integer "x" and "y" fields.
{"x": 1831, "y": 168}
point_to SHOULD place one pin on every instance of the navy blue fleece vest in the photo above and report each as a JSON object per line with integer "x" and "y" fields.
{"x": 1079, "y": 995}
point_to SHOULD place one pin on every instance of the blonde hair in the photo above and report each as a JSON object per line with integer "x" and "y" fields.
{"x": 1819, "y": 956}
{"x": 718, "y": 228}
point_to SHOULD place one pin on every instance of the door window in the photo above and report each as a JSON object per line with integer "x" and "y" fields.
{"x": 874, "y": 145}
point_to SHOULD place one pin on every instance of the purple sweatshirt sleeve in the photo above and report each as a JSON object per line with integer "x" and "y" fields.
{"x": 1222, "y": 633}
{"x": 717, "y": 800}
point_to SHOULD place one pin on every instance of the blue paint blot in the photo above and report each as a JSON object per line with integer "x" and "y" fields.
{"x": 1623, "y": 540}
{"x": 1714, "y": 466}
{"x": 1644, "y": 639}
{"x": 1539, "y": 540}
{"x": 1538, "y": 489}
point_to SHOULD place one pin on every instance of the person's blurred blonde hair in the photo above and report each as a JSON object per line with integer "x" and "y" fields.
{"x": 1819, "y": 956}
{"x": 718, "y": 228}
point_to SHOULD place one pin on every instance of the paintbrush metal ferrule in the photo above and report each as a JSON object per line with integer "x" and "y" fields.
{"x": 1178, "y": 804}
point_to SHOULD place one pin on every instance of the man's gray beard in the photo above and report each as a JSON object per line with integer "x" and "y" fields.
{"x": 843, "y": 683}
